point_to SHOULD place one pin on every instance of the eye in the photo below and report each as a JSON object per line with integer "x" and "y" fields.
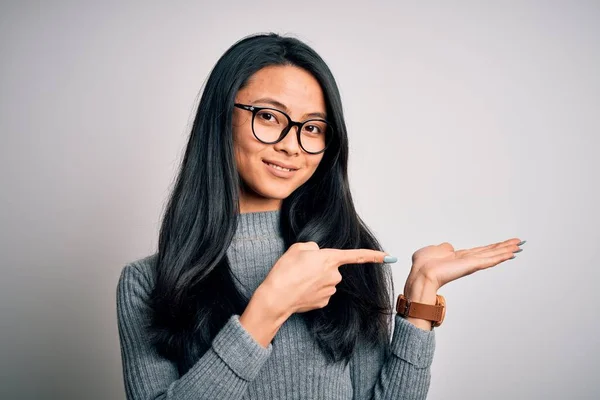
{"x": 315, "y": 128}
{"x": 267, "y": 116}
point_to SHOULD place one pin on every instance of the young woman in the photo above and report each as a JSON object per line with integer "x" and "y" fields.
{"x": 266, "y": 283}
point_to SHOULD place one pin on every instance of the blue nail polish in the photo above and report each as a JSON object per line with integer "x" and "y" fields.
{"x": 389, "y": 259}
{"x": 512, "y": 257}
{"x": 518, "y": 251}
{"x": 520, "y": 243}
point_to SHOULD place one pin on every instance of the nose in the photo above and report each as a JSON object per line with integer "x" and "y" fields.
{"x": 289, "y": 143}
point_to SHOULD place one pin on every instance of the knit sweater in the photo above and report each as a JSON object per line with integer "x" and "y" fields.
{"x": 236, "y": 366}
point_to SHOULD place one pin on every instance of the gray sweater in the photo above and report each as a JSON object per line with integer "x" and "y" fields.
{"x": 238, "y": 367}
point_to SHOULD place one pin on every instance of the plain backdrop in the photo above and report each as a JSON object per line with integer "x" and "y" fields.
{"x": 469, "y": 122}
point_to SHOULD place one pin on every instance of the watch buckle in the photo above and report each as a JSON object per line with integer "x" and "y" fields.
{"x": 406, "y": 307}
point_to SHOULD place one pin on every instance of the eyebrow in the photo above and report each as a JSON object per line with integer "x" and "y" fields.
{"x": 283, "y": 107}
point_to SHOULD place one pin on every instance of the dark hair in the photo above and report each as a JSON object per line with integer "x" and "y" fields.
{"x": 195, "y": 295}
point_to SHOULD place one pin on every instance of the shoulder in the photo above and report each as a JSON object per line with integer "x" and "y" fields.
{"x": 137, "y": 277}
{"x": 143, "y": 268}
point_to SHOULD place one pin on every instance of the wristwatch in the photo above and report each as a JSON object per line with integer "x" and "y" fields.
{"x": 435, "y": 313}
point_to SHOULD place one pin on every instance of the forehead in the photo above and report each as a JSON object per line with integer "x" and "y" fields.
{"x": 290, "y": 85}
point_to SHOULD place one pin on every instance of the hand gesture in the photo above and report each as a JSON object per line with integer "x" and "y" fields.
{"x": 440, "y": 264}
{"x": 304, "y": 277}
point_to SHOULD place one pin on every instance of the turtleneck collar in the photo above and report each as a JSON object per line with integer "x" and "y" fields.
{"x": 258, "y": 224}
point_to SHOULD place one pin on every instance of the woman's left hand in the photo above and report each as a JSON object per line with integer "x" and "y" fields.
{"x": 439, "y": 264}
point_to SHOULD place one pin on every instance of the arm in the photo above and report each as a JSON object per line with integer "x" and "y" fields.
{"x": 405, "y": 367}
{"x": 223, "y": 372}
{"x": 401, "y": 370}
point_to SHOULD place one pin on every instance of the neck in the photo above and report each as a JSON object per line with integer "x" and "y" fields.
{"x": 253, "y": 202}
{"x": 263, "y": 207}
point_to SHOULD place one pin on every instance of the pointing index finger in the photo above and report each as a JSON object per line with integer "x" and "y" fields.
{"x": 361, "y": 256}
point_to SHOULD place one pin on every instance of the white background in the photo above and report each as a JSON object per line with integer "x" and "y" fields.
{"x": 469, "y": 122}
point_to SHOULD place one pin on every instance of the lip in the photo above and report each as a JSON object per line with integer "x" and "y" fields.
{"x": 281, "y": 164}
{"x": 278, "y": 172}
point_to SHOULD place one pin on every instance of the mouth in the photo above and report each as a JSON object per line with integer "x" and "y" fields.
{"x": 279, "y": 171}
{"x": 280, "y": 167}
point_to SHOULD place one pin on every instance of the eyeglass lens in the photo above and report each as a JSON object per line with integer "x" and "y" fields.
{"x": 270, "y": 124}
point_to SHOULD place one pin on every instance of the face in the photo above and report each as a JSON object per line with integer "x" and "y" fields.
{"x": 297, "y": 93}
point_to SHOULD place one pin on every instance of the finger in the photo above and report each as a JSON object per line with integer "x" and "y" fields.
{"x": 498, "y": 251}
{"x": 356, "y": 256}
{"x": 506, "y": 245}
{"x": 491, "y": 261}
{"x": 490, "y": 246}
{"x": 466, "y": 266}
{"x": 446, "y": 245}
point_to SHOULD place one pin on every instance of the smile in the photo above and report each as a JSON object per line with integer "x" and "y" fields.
{"x": 278, "y": 167}
{"x": 278, "y": 171}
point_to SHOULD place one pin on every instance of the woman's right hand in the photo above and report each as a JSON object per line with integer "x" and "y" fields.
{"x": 304, "y": 277}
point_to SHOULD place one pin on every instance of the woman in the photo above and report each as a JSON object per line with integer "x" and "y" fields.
{"x": 266, "y": 283}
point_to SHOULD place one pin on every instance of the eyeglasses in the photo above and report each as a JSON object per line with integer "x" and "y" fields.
{"x": 271, "y": 125}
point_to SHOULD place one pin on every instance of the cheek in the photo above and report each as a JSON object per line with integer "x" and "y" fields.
{"x": 247, "y": 151}
{"x": 314, "y": 161}
{"x": 243, "y": 143}
{"x": 309, "y": 169}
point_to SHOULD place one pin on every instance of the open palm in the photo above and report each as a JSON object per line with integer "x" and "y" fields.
{"x": 441, "y": 264}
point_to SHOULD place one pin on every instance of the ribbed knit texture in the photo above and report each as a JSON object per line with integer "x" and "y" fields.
{"x": 238, "y": 367}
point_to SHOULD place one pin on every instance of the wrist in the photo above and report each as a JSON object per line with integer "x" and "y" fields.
{"x": 260, "y": 319}
{"x": 270, "y": 304}
{"x": 421, "y": 291}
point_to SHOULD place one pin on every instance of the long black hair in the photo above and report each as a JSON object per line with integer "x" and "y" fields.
{"x": 195, "y": 295}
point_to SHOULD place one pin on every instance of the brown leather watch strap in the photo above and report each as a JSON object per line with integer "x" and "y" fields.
{"x": 429, "y": 312}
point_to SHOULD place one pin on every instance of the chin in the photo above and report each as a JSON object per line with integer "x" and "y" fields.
{"x": 271, "y": 188}
{"x": 275, "y": 194}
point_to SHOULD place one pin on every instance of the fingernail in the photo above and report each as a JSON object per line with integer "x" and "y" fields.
{"x": 518, "y": 251}
{"x": 512, "y": 257}
{"x": 523, "y": 242}
{"x": 390, "y": 259}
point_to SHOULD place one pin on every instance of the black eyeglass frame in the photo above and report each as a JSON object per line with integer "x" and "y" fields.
{"x": 286, "y": 130}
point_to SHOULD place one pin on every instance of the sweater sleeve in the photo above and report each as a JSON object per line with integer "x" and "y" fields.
{"x": 401, "y": 370}
{"x": 223, "y": 372}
